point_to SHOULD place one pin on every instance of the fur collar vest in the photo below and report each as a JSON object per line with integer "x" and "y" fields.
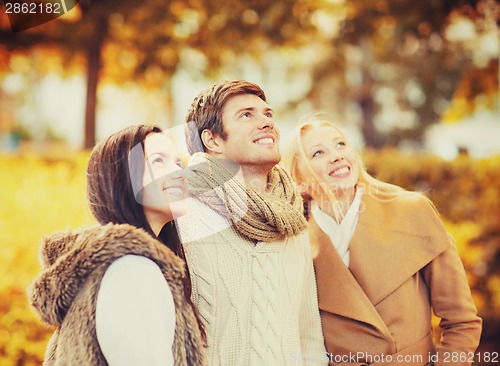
{"x": 65, "y": 293}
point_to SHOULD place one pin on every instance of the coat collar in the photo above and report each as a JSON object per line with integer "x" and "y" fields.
{"x": 73, "y": 257}
{"x": 392, "y": 242}
{"x": 338, "y": 290}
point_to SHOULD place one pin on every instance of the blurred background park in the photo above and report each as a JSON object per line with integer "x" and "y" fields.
{"x": 414, "y": 84}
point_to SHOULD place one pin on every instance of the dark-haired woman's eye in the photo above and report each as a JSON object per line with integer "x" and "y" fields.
{"x": 157, "y": 160}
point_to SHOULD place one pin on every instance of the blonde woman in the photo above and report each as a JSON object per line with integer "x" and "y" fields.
{"x": 383, "y": 261}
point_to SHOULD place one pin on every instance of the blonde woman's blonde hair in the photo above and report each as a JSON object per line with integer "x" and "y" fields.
{"x": 295, "y": 155}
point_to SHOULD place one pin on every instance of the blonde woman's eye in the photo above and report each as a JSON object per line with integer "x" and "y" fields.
{"x": 317, "y": 153}
{"x": 341, "y": 144}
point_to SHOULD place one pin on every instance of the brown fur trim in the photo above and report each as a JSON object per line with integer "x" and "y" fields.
{"x": 65, "y": 293}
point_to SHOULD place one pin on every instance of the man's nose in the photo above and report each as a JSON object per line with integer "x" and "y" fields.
{"x": 266, "y": 123}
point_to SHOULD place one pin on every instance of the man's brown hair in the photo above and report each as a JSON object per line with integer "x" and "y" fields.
{"x": 206, "y": 110}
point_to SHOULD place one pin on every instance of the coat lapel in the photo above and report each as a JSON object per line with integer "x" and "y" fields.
{"x": 390, "y": 244}
{"x": 338, "y": 291}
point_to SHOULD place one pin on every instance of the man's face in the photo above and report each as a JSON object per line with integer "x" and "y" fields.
{"x": 252, "y": 137}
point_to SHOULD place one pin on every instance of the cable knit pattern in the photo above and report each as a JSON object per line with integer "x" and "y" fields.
{"x": 264, "y": 311}
{"x": 258, "y": 301}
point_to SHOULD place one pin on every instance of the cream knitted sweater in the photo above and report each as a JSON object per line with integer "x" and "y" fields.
{"x": 258, "y": 301}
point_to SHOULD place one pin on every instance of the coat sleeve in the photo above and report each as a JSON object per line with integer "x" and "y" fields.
{"x": 452, "y": 302}
{"x": 311, "y": 333}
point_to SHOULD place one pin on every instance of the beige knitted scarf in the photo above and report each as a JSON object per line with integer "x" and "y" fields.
{"x": 258, "y": 216}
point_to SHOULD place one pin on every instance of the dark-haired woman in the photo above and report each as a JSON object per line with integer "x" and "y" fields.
{"x": 119, "y": 292}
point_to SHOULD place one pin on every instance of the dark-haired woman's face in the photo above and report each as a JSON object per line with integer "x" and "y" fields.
{"x": 164, "y": 187}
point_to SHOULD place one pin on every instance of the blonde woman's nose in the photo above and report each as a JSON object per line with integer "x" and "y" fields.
{"x": 335, "y": 157}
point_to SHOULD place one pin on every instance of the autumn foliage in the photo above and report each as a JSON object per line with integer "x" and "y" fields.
{"x": 40, "y": 196}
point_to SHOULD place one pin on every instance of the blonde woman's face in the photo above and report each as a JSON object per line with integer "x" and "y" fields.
{"x": 331, "y": 158}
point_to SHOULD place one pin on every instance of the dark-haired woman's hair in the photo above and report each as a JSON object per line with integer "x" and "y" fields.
{"x": 111, "y": 195}
{"x": 109, "y": 179}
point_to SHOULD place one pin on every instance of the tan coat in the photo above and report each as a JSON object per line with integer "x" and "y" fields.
{"x": 402, "y": 263}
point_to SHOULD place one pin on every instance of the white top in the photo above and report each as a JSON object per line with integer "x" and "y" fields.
{"x": 135, "y": 314}
{"x": 258, "y": 302}
{"x": 340, "y": 234}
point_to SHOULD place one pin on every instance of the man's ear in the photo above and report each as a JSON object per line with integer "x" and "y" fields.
{"x": 211, "y": 141}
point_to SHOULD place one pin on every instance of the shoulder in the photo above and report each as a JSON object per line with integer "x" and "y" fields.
{"x": 106, "y": 242}
{"x": 132, "y": 284}
{"x": 201, "y": 221}
{"x": 414, "y": 200}
{"x": 133, "y": 266}
{"x": 418, "y": 206}
{"x": 133, "y": 274}
{"x": 302, "y": 238}
{"x": 404, "y": 204}
{"x": 408, "y": 212}
{"x": 301, "y": 244}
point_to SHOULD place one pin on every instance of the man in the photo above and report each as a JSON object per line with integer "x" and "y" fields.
{"x": 246, "y": 246}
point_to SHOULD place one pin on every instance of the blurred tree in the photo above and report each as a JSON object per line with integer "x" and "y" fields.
{"x": 394, "y": 58}
{"x": 129, "y": 40}
{"x": 397, "y": 60}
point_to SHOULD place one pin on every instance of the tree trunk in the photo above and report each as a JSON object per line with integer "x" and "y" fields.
{"x": 367, "y": 105}
{"x": 93, "y": 68}
{"x": 172, "y": 118}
